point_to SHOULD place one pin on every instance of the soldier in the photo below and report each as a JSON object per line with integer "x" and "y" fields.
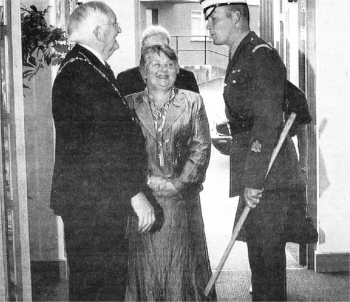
{"x": 253, "y": 93}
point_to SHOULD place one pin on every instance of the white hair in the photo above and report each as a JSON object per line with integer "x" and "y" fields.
{"x": 85, "y": 18}
{"x": 155, "y": 30}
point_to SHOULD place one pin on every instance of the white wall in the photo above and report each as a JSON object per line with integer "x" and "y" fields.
{"x": 45, "y": 234}
{"x": 333, "y": 104}
{"x": 125, "y": 56}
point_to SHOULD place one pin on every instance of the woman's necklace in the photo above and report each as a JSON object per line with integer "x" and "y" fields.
{"x": 159, "y": 116}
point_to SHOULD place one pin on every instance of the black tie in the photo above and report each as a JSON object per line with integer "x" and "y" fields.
{"x": 110, "y": 73}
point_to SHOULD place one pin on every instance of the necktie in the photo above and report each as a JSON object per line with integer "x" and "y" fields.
{"x": 111, "y": 77}
{"x": 110, "y": 73}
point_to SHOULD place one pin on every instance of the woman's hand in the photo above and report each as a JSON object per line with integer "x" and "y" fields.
{"x": 161, "y": 187}
{"x": 166, "y": 190}
{"x": 154, "y": 182}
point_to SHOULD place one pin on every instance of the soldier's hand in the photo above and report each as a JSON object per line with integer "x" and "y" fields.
{"x": 252, "y": 197}
{"x": 144, "y": 212}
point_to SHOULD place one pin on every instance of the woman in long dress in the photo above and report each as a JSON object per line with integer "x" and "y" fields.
{"x": 171, "y": 262}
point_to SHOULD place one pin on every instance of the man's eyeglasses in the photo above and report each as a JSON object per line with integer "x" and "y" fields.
{"x": 114, "y": 24}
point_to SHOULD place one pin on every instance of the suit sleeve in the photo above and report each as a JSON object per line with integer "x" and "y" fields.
{"x": 193, "y": 172}
{"x": 135, "y": 162}
{"x": 122, "y": 83}
{"x": 267, "y": 86}
{"x": 186, "y": 80}
{"x": 192, "y": 82}
{"x": 130, "y": 81}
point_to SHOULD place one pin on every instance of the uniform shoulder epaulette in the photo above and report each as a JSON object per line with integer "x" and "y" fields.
{"x": 261, "y": 45}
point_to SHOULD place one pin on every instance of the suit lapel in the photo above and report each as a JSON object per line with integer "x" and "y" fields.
{"x": 101, "y": 68}
{"x": 91, "y": 57}
{"x": 143, "y": 112}
{"x": 177, "y": 106}
{"x": 238, "y": 51}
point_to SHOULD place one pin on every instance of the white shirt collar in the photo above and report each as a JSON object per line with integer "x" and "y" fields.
{"x": 96, "y": 53}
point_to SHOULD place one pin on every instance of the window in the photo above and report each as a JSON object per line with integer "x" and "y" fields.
{"x": 198, "y": 26}
{"x": 151, "y": 17}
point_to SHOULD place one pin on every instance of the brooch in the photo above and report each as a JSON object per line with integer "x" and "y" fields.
{"x": 256, "y": 147}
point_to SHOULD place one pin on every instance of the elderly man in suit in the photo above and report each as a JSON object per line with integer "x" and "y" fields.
{"x": 130, "y": 81}
{"x": 100, "y": 160}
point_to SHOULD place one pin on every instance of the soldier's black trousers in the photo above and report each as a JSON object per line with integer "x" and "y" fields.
{"x": 266, "y": 246}
{"x": 97, "y": 254}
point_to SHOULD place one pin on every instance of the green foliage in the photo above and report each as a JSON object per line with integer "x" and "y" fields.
{"x": 41, "y": 43}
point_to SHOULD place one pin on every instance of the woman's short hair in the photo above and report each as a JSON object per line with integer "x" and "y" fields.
{"x": 157, "y": 48}
{"x": 85, "y": 18}
{"x": 155, "y": 30}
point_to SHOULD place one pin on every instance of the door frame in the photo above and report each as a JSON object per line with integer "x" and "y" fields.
{"x": 306, "y": 25}
{"x": 16, "y": 283}
{"x": 310, "y": 90}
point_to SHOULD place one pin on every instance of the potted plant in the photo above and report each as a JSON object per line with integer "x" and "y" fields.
{"x": 41, "y": 43}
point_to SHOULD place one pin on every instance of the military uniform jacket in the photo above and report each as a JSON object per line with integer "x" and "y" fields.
{"x": 100, "y": 155}
{"x": 253, "y": 92}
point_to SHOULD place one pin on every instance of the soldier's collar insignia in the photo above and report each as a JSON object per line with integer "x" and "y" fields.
{"x": 256, "y": 147}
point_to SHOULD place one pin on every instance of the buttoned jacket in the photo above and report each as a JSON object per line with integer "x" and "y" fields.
{"x": 253, "y": 90}
{"x": 185, "y": 139}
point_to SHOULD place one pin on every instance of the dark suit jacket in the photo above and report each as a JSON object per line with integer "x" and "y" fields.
{"x": 100, "y": 158}
{"x": 130, "y": 81}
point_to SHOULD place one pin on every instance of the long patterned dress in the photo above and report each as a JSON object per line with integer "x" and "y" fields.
{"x": 172, "y": 264}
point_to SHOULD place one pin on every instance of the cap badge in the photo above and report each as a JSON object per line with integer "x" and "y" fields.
{"x": 256, "y": 147}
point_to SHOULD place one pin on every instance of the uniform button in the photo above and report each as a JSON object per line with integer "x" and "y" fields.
{"x": 234, "y": 81}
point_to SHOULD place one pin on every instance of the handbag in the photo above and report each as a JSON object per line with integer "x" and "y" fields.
{"x": 158, "y": 211}
{"x": 298, "y": 227}
{"x": 294, "y": 100}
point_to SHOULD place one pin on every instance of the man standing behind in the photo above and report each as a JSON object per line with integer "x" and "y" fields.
{"x": 100, "y": 160}
{"x": 253, "y": 93}
{"x": 130, "y": 81}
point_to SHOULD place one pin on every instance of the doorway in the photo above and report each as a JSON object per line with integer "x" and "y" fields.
{"x": 288, "y": 26}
